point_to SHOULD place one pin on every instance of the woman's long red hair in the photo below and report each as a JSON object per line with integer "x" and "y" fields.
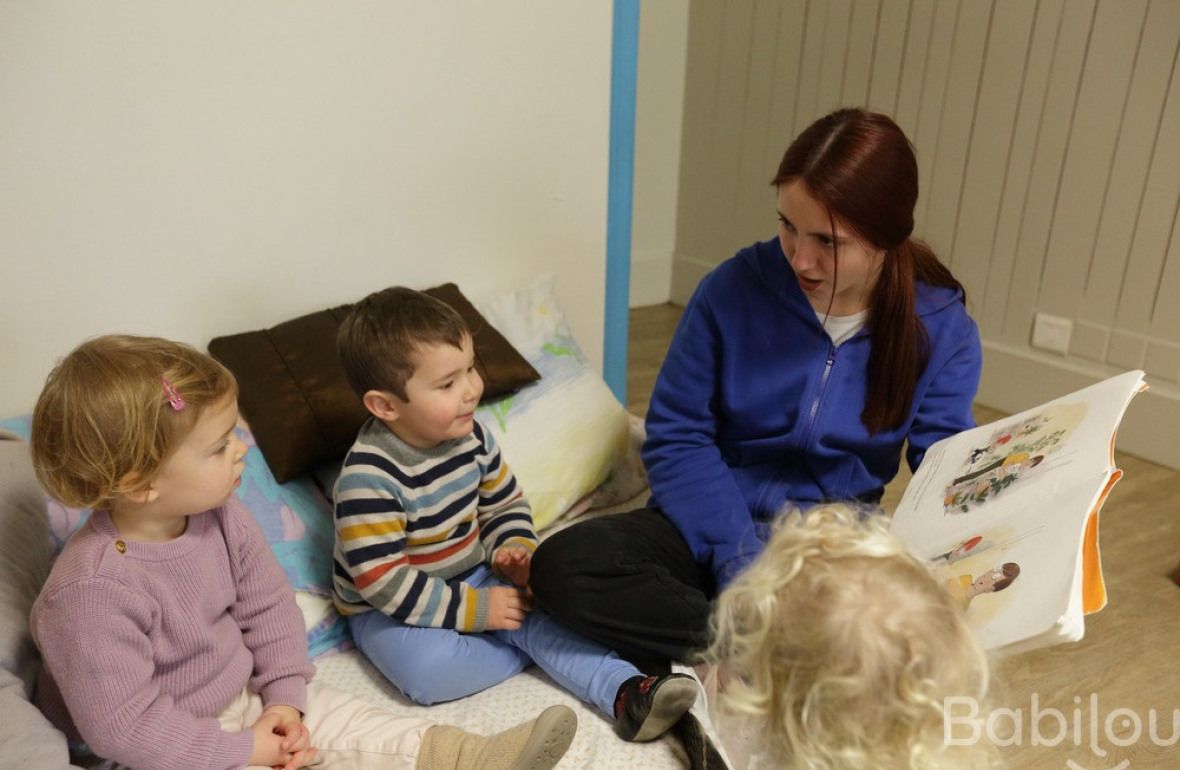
{"x": 861, "y": 166}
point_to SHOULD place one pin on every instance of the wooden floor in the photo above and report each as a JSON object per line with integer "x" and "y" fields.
{"x": 1129, "y": 661}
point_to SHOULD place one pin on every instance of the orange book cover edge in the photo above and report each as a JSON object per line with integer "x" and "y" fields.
{"x": 1093, "y": 584}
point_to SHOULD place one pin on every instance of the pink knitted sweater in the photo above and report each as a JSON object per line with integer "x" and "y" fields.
{"x": 144, "y": 643}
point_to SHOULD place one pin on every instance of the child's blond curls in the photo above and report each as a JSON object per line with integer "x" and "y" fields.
{"x": 841, "y": 647}
{"x": 104, "y": 421}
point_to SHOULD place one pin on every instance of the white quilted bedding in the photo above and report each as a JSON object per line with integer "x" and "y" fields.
{"x": 595, "y": 747}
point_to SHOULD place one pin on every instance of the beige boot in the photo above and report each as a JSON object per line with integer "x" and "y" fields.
{"x": 534, "y": 745}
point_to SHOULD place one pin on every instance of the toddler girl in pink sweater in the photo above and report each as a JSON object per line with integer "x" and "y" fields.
{"x": 170, "y": 636}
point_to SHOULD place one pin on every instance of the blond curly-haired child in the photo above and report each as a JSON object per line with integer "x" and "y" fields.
{"x": 837, "y": 648}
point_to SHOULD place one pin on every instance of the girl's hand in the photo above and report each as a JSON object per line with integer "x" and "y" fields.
{"x": 281, "y": 740}
{"x": 290, "y": 726}
{"x": 268, "y": 745}
{"x": 513, "y": 563}
{"x": 507, "y": 608}
{"x": 303, "y": 758}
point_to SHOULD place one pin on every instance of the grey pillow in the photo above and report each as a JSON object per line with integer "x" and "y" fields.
{"x": 24, "y": 556}
{"x": 27, "y": 738}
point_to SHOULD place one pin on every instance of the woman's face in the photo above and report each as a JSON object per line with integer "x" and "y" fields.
{"x": 805, "y": 233}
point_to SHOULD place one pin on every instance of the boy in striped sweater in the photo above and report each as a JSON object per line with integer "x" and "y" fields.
{"x": 434, "y": 537}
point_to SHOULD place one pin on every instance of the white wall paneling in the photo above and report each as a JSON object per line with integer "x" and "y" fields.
{"x": 1048, "y": 142}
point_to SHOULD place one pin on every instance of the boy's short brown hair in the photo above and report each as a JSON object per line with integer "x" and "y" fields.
{"x": 380, "y": 336}
{"x": 103, "y": 423}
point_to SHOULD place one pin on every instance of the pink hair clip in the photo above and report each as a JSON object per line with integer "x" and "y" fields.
{"x": 174, "y": 399}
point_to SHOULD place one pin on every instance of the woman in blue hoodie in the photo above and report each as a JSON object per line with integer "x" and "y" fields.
{"x": 799, "y": 371}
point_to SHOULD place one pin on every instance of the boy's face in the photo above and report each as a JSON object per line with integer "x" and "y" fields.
{"x": 441, "y": 396}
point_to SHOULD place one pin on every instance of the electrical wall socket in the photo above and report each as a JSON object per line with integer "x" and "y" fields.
{"x": 1051, "y": 332}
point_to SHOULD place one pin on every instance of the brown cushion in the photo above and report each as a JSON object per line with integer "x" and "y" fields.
{"x": 296, "y": 397}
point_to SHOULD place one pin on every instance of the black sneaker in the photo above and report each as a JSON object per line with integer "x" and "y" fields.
{"x": 648, "y": 706}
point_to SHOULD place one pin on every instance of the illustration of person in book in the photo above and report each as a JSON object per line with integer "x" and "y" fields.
{"x": 965, "y": 588}
{"x": 979, "y": 544}
{"x": 1040, "y": 434}
{"x": 976, "y": 487}
{"x": 1010, "y": 465}
{"x": 997, "y": 441}
{"x": 960, "y": 551}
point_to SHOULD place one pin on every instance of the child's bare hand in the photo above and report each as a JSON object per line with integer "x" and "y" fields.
{"x": 507, "y": 608}
{"x": 291, "y": 727}
{"x": 296, "y": 738}
{"x": 268, "y": 744}
{"x": 513, "y": 563}
{"x": 281, "y": 735}
{"x": 303, "y": 758}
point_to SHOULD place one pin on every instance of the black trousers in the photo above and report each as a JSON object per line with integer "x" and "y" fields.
{"x": 630, "y": 582}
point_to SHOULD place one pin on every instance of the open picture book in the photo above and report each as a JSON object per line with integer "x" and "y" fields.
{"x": 1008, "y": 513}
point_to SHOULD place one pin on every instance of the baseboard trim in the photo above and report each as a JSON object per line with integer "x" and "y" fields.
{"x": 686, "y": 274}
{"x": 651, "y": 278}
{"x": 1014, "y": 380}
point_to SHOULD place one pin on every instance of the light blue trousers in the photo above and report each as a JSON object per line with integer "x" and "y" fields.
{"x": 431, "y": 665}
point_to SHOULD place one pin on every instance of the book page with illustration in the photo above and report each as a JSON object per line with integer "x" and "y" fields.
{"x": 1007, "y": 512}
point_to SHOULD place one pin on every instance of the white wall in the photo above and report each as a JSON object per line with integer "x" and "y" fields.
{"x": 659, "y": 112}
{"x": 196, "y": 169}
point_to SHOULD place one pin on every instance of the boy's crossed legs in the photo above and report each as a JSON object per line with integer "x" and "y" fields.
{"x": 431, "y": 665}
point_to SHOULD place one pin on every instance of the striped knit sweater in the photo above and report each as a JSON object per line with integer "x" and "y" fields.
{"x": 411, "y": 522}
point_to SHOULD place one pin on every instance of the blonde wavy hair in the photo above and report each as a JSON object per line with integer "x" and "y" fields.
{"x": 103, "y": 423}
{"x": 841, "y": 646}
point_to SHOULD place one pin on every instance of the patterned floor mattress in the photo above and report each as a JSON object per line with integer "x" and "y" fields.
{"x": 595, "y": 747}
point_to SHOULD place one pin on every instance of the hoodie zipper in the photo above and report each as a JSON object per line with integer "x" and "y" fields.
{"x": 823, "y": 386}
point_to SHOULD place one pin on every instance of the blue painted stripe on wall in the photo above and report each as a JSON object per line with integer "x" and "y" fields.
{"x": 624, "y": 64}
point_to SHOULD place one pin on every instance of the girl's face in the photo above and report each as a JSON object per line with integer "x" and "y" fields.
{"x": 806, "y": 236}
{"x": 201, "y": 473}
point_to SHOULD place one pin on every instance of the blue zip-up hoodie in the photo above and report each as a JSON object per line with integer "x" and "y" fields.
{"x": 755, "y": 407}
